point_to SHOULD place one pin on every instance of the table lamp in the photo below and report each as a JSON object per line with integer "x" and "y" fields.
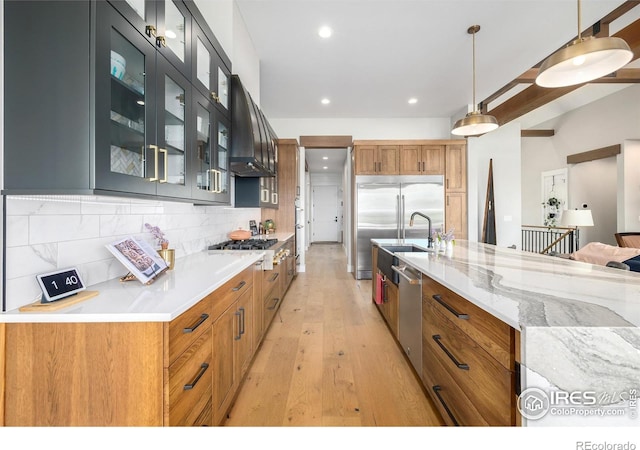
{"x": 575, "y": 218}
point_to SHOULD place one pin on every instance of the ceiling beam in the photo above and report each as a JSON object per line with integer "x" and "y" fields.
{"x": 592, "y": 155}
{"x": 536, "y": 96}
{"x": 537, "y": 133}
{"x": 326, "y": 141}
{"x": 621, "y": 76}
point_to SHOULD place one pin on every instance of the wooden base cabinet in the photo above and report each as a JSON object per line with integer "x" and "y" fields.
{"x": 468, "y": 359}
{"x": 180, "y": 373}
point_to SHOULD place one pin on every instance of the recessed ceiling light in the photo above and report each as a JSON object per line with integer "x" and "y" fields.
{"x": 325, "y": 157}
{"x": 325, "y": 167}
{"x": 413, "y": 101}
{"x": 325, "y": 32}
{"x": 325, "y": 101}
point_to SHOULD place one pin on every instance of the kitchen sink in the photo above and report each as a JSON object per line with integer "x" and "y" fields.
{"x": 387, "y": 258}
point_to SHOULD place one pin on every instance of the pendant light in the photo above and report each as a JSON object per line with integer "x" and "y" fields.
{"x": 474, "y": 123}
{"x": 583, "y": 60}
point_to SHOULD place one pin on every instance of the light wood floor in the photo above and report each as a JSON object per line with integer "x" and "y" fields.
{"x": 329, "y": 359}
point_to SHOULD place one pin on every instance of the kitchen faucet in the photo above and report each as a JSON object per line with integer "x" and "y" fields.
{"x": 417, "y": 213}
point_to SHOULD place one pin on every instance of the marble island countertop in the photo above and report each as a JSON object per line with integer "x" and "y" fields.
{"x": 579, "y": 323}
{"x": 173, "y": 292}
{"x": 527, "y": 289}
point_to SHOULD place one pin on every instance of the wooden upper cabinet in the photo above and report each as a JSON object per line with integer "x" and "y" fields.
{"x": 456, "y": 168}
{"x": 388, "y": 160}
{"x": 455, "y": 214}
{"x": 377, "y": 160}
{"x": 422, "y": 160}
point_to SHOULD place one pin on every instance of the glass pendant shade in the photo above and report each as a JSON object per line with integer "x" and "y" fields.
{"x": 584, "y": 60}
{"x": 474, "y": 123}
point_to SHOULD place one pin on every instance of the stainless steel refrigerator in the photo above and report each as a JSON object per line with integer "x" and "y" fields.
{"x": 383, "y": 207}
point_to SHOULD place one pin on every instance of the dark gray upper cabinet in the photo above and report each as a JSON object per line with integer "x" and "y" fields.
{"x": 112, "y": 110}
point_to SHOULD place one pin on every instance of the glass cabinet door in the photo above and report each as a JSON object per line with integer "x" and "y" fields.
{"x": 222, "y": 158}
{"x": 211, "y": 76}
{"x": 141, "y": 14}
{"x": 125, "y": 105}
{"x": 211, "y": 147}
{"x": 173, "y": 109}
{"x": 174, "y": 34}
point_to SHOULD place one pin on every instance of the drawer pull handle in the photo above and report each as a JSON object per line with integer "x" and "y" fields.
{"x": 192, "y": 328}
{"x": 275, "y": 303}
{"x": 203, "y": 369}
{"x": 438, "y": 298}
{"x": 239, "y": 286}
{"x": 239, "y": 335}
{"x": 274, "y": 277}
{"x": 436, "y": 390}
{"x": 462, "y": 366}
{"x": 242, "y": 330}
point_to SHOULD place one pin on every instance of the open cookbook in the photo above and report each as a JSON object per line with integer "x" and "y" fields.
{"x": 139, "y": 257}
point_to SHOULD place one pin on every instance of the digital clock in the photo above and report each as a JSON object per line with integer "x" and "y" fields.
{"x": 60, "y": 284}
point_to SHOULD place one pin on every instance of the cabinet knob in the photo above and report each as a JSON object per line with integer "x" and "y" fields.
{"x": 150, "y": 30}
{"x": 161, "y": 41}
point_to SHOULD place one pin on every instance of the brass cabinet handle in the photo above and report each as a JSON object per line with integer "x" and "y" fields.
{"x": 214, "y": 96}
{"x": 150, "y": 30}
{"x": 161, "y": 41}
{"x": 436, "y": 390}
{"x": 203, "y": 369}
{"x": 166, "y": 165}
{"x": 193, "y": 327}
{"x": 438, "y": 298}
{"x": 239, "y": 286}
{"x": 462, "y": 366}
{"x": 155, "y": 153}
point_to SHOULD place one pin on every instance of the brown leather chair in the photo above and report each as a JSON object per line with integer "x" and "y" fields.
{"x": 628, "y": 239}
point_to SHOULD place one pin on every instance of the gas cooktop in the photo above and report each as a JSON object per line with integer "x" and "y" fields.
{"x": 247, "y": 244}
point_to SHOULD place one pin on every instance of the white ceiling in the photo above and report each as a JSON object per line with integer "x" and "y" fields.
{"x": 384, "y": 52}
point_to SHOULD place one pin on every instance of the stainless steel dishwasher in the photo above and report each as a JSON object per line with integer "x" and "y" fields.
{"x": 410, "y": 314}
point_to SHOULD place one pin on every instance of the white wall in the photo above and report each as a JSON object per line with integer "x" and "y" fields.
{"x": 219, "y": 17}
{"x": 409, "y": 128}
{"x": 503, "y": 146}
{"x": 628, "y": 201}
{"x": 607, "y": 121}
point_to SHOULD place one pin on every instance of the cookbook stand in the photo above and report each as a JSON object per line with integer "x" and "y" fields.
{"x": 130, "y": 277}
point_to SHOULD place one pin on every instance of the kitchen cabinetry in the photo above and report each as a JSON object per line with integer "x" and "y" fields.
{"x": 456, "y": 189}
{"x": 211, "y": 77}
{"x": 232, "y": 340}
{"x": 390, "y": 299}
{"x": 422, "y": 159}
{"x": 376, "y": 159}
{"x": 287, "y": 185}
{"x": 468, "y": 359}
{"x": 122, "y": 119}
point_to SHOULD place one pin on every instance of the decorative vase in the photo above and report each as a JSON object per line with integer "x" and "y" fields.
{"x": 169, "y": 255}
{"x": 449, "y": 248}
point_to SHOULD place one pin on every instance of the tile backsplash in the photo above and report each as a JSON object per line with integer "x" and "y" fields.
{"x": 45, "y": 233}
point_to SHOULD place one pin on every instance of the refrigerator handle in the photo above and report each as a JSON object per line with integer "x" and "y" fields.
{"x": 404, "y": 231}
{"x": 398, "y": 216}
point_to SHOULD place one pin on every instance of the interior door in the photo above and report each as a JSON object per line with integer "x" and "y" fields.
{"x": 326, "y": 220}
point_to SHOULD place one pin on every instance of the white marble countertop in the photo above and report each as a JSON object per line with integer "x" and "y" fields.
{"x": 579, "y": 323}
{"x": 526, "y": 289}
{"x": 173, "y": 292}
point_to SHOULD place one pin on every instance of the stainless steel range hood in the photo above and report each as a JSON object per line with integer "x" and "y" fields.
{"x": 252, "y": 138}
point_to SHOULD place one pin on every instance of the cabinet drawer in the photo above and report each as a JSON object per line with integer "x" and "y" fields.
{"x": 454, "y": 406}
{"x": 271, "y": 278}
{"x": 484, "y": 380}
{"x": 190, "y": 379}
{"x": 271, "y": 304}
{"x": 229, "y": 292}
{"x": 489, "y": 332}
{"x": 185, "y": 328}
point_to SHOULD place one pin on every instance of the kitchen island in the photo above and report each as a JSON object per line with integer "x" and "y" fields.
{"x": 579, "y": 341}
{"x": 173, "y": 352}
